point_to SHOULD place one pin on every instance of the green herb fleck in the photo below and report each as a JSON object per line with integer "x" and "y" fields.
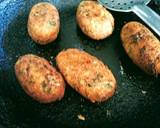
{"x": 45, "y": 87}
{"x": 136, "y": 37}
{"x": 22, "y": 72}
{"x": 31, "y": 81}
{"x": 52, "y": 23}
{"x": 108, "y": 85}
{"x": 89, "y": 85}
{"x": 98, "y": 78}
{"x": 36, "y": 14}
{"x": 86, "y": 12}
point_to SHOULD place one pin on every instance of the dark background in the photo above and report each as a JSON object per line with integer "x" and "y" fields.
{"x": 137, "y": 99}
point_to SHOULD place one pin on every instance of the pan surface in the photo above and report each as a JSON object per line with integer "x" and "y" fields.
{"x": 137, "y": 99}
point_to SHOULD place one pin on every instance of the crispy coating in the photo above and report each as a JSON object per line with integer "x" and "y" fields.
{"x": 94, "y": 20}
{"x": 142, "y": 47}
{"x": 43, "y": 23}
{"x": 86, "y": 74}
{"x": 39, "y": 79}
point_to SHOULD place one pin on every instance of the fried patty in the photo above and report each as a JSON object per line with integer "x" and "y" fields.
{"x": 94, "y": 20}
{"x": 86, "y": 74}
{"x": 39, "y": 79}
{"x": 142, "y": 47}
{"x": 43, "y": 23}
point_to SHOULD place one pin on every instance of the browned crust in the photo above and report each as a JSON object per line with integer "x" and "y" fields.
{"x": 86, "y": 74}
{"x": 39, "y": 79}
{"x": 43, "y": 23}
{"x": 94, "y": 20}
{"x": 141, "y": 46}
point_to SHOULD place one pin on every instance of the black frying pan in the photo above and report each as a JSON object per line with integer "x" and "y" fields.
{"x": 135, "y": 104}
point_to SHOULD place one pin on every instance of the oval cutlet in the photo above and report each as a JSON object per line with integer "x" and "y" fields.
{"x": 43, "y": 23}
{"x": 86, "y": 74}
{"x": 142, "y": 47}
{"x": 39, "y": 79}
{"x": 94, "y": 20}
